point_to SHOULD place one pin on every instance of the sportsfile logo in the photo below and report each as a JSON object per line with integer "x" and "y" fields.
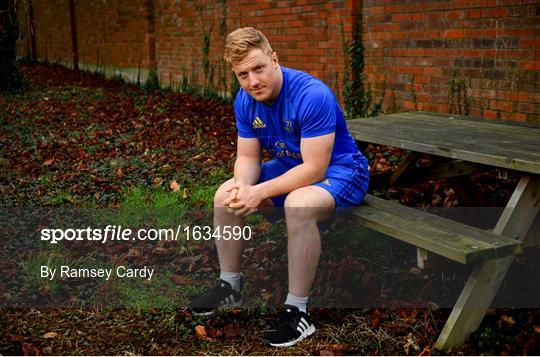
{"x": 258, "y": 123}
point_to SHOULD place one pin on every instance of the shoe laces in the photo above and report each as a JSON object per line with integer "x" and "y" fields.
{"x": 288, "y": 317}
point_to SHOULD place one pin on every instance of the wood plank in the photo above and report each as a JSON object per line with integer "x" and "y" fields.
{"x": 509, "y": 146}
{"x": 456, "y": 144}
{"x": 439, "y": 235}
{"x": 413, "y": 175}
{"x": 449, "y": 169}
{"x": 421, "y": 257}
{"x": 485, "y": 280}
{"x": 403, "y": 166}
{"x": 466, "y": 194}
{"x": 491, "y": 140}
{"x": 457, "y": 248}
{"x": 533, "y": 235}
{"x": 503, "y": 246}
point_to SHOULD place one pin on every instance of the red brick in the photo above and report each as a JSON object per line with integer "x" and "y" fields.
{"x": 432, "y": 71}
{"x": 472, "y": 33}
{"x": 418, "y": 16}
{"x": 424, "y": 62}
{"x": 401, "y": 17}
{"x": 525, "y": 108}
{"x": 473, "y": 13}
{"x": 521, "y": 32}
{"x": 497, "y": 12}
{"x": 421, "y": 97}
{"x": 508, "y": 116}
{"x": 526, "y": 97}
{"x": 503, "y": 106}
{"x": 490, "y": 114}
{"x": 409, "y": 105}
{"x": 421, "y": 79}
{"x": 377, "y": 10}
{"x": 455, "y": 15}
{"x": 455, "y": 33}
{"x": 530, "y": 65}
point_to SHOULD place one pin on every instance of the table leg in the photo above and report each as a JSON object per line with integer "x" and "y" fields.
{"x": 486, "y": 278}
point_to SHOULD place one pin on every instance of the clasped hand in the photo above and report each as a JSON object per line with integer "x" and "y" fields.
{"x": 243, "y": 199}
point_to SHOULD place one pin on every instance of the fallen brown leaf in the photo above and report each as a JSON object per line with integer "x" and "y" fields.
{"x": 49, "y": 335}
{"x": 200, "y": 331}
{"x": 174, "y": 186}
{"x": 157, "y": 181}
{"x": 180, "y": 280}
{"x": 30, "y": 350}
{"x": 330, "y": 353}
{"x": 507, "y": 319}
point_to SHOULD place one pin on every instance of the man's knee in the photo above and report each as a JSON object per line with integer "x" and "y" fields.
{"x": 222, "y": 194}
{"x": 309, "y": 203}
{"x": 296, "y": 199}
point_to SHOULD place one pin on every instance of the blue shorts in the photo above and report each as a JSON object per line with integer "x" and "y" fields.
{"x": 348, "y": 185}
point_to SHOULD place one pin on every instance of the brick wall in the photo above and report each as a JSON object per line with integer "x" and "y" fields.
{"x": 479, "y": 57}
{"x": 113, "y": 32}
{"x": 52, "y": 30}
{"x": 476, "y": 57}
{"x": 115, "y": 37}
{"x": 305, "y": 34}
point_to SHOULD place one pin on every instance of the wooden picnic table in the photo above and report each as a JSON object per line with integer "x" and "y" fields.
{"x": 470, "y": 145}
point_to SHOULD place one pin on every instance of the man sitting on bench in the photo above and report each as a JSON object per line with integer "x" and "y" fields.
{"x": 316, "y": 167}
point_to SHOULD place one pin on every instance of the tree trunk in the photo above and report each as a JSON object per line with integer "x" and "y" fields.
{"x": 10, "y": 77}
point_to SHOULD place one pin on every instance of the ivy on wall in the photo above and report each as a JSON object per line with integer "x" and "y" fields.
{"x": 457, "y": 95}
{"x": 357, "y": 95}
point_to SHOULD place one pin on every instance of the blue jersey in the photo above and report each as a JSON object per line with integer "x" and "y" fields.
{"x": 305, "y": 108}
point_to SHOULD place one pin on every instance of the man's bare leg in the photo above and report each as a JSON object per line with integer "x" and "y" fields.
{"x": 229, "y": 251}
{"x": 305, "y": 207}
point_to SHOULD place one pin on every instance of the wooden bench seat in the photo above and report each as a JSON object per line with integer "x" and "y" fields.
{"x": 451, "y": 239}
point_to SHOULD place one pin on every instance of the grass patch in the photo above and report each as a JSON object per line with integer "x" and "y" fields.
{"x": 73, "y": 93}
{"x": 143, "y": 295}
{"x": 52, "y": 258}
{"x": 141, "y": 206}
{"x": 59, "y": 197}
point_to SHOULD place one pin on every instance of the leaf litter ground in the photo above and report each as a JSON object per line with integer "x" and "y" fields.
{"x": 79, "y": 142}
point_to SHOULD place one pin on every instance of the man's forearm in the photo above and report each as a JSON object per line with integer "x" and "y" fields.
{"x": 247, "y": 170}
{"x": 299, "y": 176}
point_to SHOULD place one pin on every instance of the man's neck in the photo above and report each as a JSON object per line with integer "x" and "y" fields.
{"x": 277, "y": 88}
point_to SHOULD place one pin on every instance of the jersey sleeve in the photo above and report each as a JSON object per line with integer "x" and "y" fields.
{"x": 317, "y": 112}
{"x": 245, "y": 130}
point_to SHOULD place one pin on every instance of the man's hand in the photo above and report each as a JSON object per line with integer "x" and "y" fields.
{"x": 230, "y": 199}
{"x": 243, "y": 200}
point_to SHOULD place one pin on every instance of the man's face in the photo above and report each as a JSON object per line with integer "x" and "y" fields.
{"x": 259, "y": 75}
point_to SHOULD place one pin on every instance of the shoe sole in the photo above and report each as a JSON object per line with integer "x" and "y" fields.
{"x": 223, "y": 307}
{"x": 310, "y": 331}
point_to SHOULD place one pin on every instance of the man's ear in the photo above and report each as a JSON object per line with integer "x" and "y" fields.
{"x": 275, "y": 58}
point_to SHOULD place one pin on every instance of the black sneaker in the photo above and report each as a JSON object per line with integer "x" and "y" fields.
{"x": 220, "y": 296}
{"x": 292, "y": 327}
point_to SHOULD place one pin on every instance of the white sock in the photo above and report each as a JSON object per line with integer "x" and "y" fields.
{"x": 232, "y": 278}
{"x": 299, "y": 301}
